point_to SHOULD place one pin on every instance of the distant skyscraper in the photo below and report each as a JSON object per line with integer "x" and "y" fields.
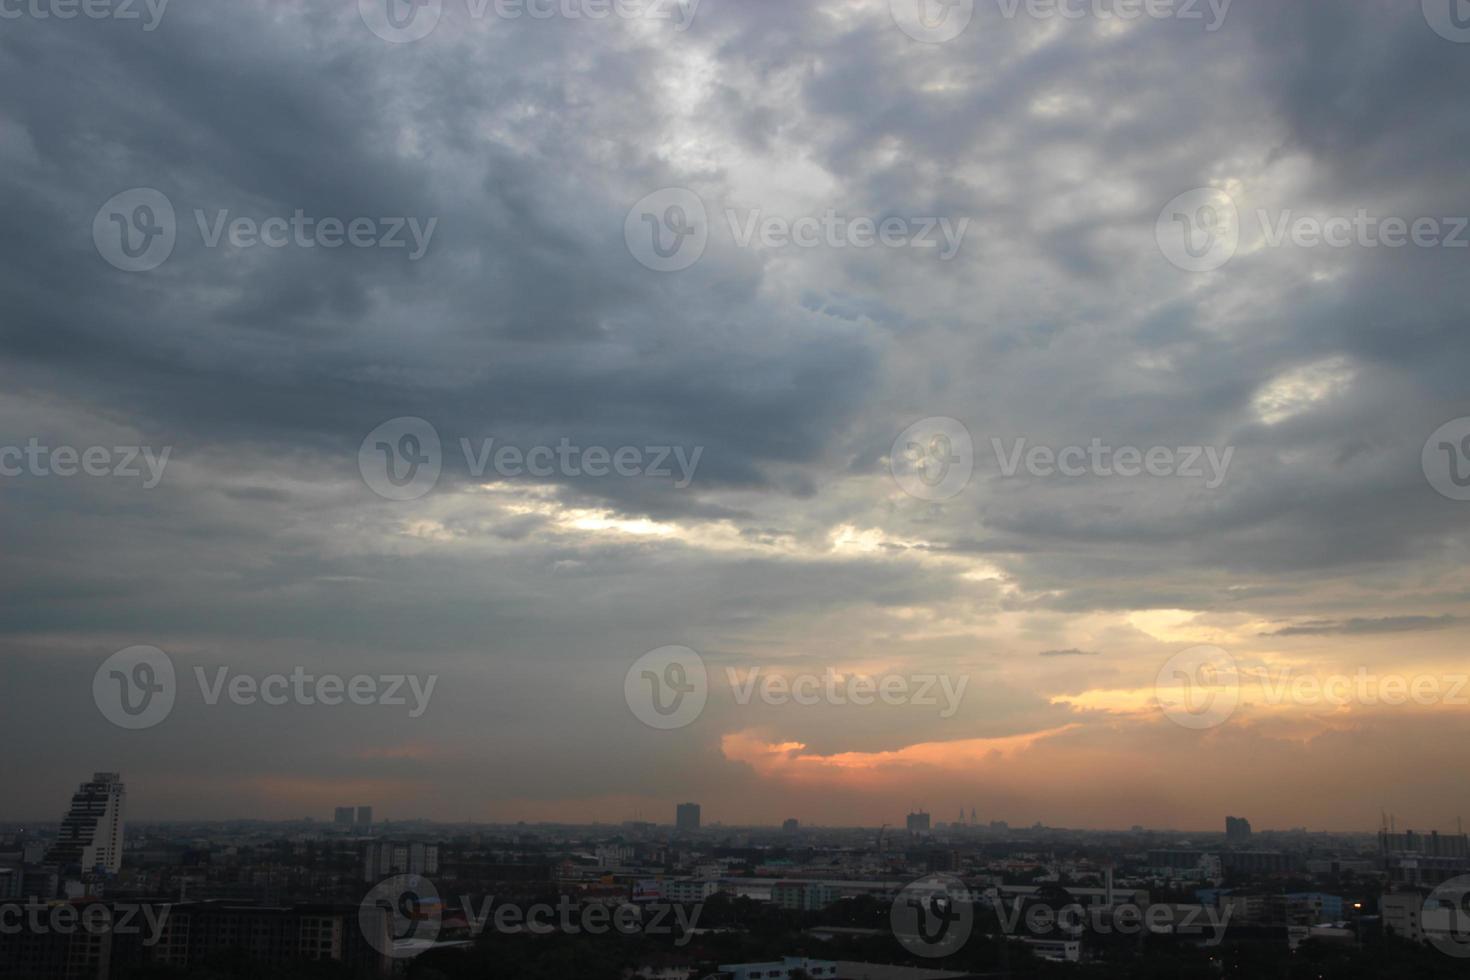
{"x": 791, "y": 826}
{"x": 1237, "y": 829}
{"x": 687, "y": 816}
{"x": 918, "y": 823}
{"x": 92, "y": 831}
{"x": 364, "y": 818}
{"x": 342, "y": 816}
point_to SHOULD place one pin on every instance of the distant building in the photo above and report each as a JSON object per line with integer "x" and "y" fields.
{"x": 1237, "y": 830}
{"x": 1174, "y": 859}
{"x": 1055, "y": 950}
{"x": 791, "y": 826}
{"x": 784, "y": 970}
{"x": 386, "y": 858}
{"x": 686, "y": 817}
{"x": 1257, "y": 862}
{"x": 1402, "y": 913}
{"x": 364, "y": 818}
{"x": 802, "y": 896}
{"x": 1423, "y": 859}
{"x": 690, "y": 891}
{"x": 342, "y": 817}
{"x": 917, "y": 823}
{"x": 92, "y": 831}
{"x": 1320, "y": 907}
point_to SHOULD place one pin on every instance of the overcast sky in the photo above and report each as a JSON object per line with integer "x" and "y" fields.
{"x": 532, "y": 308}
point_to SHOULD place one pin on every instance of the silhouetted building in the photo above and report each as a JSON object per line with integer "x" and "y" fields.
{"x": 686, "y": 817}
{"x": 917, "y": 823}
{"x": 1237, "y": 830}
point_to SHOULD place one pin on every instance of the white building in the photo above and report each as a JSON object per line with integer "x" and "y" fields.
{"x": 690, "y": 891}
{"x": 1056, "y": 950}
{"x": 816, "y": 969}
{"x": 92, "y": 831}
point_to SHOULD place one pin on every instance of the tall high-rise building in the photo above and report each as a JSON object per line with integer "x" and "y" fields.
{"x": 92, "y": 831}
{"x": 1237, "y": 829}
{"x": 342, "y": 817}
{"x": 364, "y": 818}
{"x": 687, "y": 816}
{"x": 917, "y": 823}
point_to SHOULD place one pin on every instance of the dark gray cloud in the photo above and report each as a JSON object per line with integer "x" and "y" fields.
{"x": 1368, "y": 627}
